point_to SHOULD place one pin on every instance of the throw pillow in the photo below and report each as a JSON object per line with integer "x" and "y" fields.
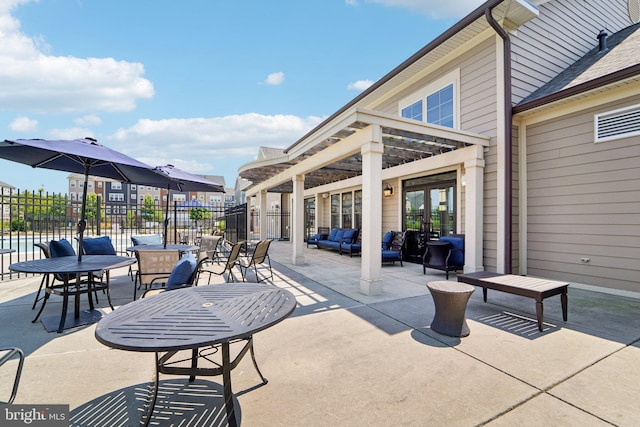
{"x": 182, "y": 272}
{"x": 98, "y": 246}
{"x": 387, "y": 239}
{"x": 60, "y": 248}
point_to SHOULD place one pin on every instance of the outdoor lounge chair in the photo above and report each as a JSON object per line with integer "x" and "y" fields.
{"x": 154, "y": 268}
{"x": 392, "y": 246}
{"x": 323, "y": 233}
{"x": 446, "y": 254}
{"x": 227, "y": 267}
{"x": 260, "y": 256}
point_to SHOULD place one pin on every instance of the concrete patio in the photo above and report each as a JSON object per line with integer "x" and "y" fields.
{"x": 344, "y": 358}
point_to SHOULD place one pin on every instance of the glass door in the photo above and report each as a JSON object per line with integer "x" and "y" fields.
{"x": 430, "y": 211}
{"x": 414, "y": 217}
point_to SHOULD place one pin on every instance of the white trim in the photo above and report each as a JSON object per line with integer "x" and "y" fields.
{"x": 451, "y": 78}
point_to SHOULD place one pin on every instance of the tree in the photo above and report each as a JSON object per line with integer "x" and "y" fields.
{"x": 196, "y": 214}
{"x": 149, "y": 210}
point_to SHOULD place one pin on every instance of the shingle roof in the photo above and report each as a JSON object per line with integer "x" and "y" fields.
{"x": 622, "y": 53}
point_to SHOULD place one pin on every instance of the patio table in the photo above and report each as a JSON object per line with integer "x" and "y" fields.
{"x": 196, "y": 318}
{"x": 67, "y": 267}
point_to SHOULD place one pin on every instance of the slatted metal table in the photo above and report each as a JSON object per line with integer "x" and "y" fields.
{"x": 68, "y": 267}
{"x": 192, "y": 319}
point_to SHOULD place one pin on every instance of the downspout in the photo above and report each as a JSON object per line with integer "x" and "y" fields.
{"x": 508, "y": 149}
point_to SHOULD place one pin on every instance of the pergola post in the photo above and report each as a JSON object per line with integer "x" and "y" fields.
{"x": 474, "y": 193}
{"x": 319, "y": 211}
{"x": 371, "y": 265}
{"x": 297, "y": 235}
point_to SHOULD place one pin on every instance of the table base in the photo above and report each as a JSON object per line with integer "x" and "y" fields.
{"x": 166, "y": 364}
{"x": 87, "y": 317}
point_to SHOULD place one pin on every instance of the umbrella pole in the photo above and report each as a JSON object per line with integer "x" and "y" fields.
{"x": 82, "y": 224}
{"x": 166, "y": 216}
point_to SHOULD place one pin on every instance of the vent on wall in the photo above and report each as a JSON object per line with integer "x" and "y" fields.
{"x": 617, "y": 124}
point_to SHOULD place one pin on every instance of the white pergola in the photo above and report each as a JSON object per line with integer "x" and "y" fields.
{"x": 370, "y": 147}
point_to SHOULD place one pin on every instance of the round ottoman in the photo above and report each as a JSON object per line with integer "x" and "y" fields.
{"x": 450, "y": 300}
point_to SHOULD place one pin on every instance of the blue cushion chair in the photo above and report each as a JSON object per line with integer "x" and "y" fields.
{"x": 351, "y": 242}
{"x": 336, "y": 238}
{"x": 323, "y": 233}
{"x": 393, "y": 246}
{"x": 446, "y": 254}
{"x": 183, "y": 275}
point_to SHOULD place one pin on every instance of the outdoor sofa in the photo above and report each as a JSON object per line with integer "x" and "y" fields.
{"x": 336, "y": 238}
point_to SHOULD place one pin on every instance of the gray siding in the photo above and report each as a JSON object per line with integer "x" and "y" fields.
{"x": 583, "y": 202}
{"x": 564, "y": 31}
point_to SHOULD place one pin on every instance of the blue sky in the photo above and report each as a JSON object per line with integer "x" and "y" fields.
{"x": 200, "y": 84}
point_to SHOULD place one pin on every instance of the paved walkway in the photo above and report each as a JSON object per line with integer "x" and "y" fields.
{"x": 343, "y": 358}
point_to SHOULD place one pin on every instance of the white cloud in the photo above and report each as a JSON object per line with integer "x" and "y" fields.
{"x": 32, "y": 80}
{"x": 351, "y": 2}
{"x": 70, "y": 133}
{"x": 359, "y": 85}
{"x": 88, "y": 120}
{"x": 275, "y": 79}
{"x": 198, "y": 143}
{"x": 23, "y": 124}
{"x": 435, "y": 9}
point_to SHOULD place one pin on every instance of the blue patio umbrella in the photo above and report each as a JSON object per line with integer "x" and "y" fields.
{"x": 184, "y": 181}
{"x": 83, "y": 156}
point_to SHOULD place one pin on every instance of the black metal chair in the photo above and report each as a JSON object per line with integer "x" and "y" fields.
{"x": 9, "y": 353}
{"x": 446, "y": 254}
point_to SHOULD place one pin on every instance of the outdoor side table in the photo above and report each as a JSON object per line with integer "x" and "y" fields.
{"x": 450, "y": 300}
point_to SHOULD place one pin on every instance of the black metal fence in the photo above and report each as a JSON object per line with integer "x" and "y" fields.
{"x": 27, "y": 218}
{"x": 277, "y": 225}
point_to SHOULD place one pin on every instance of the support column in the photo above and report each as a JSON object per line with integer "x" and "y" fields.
{"x": 473, "y": 215}
{"x": 319, "y": 211}
{"x": 371, "y": 270}
{"x": 263, "y": 214}
{"x": 249, "y": 219}
{"x": 297, "y": 235}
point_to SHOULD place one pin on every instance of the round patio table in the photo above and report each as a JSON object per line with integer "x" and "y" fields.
{"x": 193, "y": 319}
{"x": 68, "y": 267}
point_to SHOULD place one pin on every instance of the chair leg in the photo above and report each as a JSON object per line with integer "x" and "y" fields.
{"x": 45, "y": 279}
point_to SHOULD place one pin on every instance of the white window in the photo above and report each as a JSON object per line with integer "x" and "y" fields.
{"x": 617, "y": 124}
{"x": 72, "y": 184}
{"x": 116, "y": 197}
{"x": 99, "y": 184}
{"x": 133, "y": 197}
{"x": 437, "y": 103}
{"x": 116, "y": 186}
{"x": 133, "y": 187}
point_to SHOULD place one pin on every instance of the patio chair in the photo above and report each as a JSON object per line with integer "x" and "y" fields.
{"x": 7, "y": 354}
{"x": 260, "y": 256}
{"x": 393, "y": 246}
{"x": 322, "y": 232}
{"x": 183, "y": 275}
{"x": 154, "y": 268}
{"x": 446, "y": 254}
{"x": 210, "y": 246}
{"x": 102, "y": 246}
{"x": 228, "y": 266}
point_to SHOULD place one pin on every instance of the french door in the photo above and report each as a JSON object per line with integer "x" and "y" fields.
{"x": 430, "y": 211}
